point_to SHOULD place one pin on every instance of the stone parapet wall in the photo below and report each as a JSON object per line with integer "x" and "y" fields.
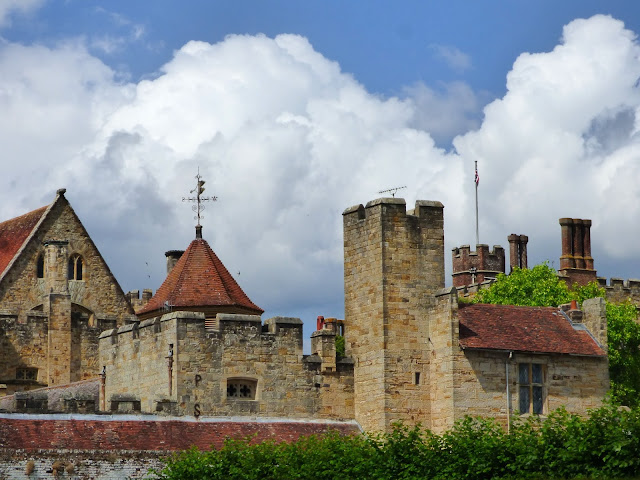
{"x": 267, "y": 358}
{"x": 618, "y": 290}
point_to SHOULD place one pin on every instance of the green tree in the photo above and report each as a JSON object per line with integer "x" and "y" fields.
{"x": 535, "y": 287}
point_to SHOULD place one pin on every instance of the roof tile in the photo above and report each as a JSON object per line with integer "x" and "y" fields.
{"x": 13, "y": 234}
{"x": 199, "y": 279}
{"x": 523, "y": 329}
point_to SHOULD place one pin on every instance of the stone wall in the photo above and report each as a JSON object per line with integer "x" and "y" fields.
{"x": 109, "y": 447}
{"x": 22, "y": 344}
{"x": 394, "y": 262}
{"x": 618, "y": 290}
{"x": 78, "y": 397}
{"x": 267, "y": 358}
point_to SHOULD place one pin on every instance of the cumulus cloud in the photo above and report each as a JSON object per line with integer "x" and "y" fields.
{"x": 563, "y": 140}
{"x": 287, "y": 141}
{"x": 447, "y": 112}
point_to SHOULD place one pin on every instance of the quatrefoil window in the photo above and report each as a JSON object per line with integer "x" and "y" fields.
{"x": 241, "y": 388}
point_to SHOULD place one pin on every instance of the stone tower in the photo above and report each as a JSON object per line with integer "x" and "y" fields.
{"x": 394, "y": 263}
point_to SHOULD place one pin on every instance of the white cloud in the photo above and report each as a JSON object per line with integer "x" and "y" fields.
{"x": 562, "y": 141}
{"x": 287, "y": 141}
{"x": 9, "y": 7}
{"x": 445, "y": 113}
{"x": 452, "y": 56}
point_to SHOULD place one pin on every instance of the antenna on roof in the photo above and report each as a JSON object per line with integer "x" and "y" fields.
{"x": 198, "y": 207}
{"x": 392, "y": 191}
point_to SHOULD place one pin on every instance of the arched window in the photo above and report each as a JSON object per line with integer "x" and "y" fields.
{"x": 40, "y": 266}
{"x": 76, "y": 266}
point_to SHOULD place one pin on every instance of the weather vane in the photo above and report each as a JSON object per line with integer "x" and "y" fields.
{"x": 199, "y": 199}
{"x": 393, "y": 191}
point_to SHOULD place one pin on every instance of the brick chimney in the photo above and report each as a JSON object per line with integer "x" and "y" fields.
{"x": 576, "y": 262}
{"x": 172, "y": 258}
{"x": 518, "y": 250}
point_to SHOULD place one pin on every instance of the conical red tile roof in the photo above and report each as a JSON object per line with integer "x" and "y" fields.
{"x": 199, "y": 281}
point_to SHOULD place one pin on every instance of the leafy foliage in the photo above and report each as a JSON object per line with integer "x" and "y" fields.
{"x": 567, "y": 446}
{"x": 623, "y": 332}
{"x": 535, "y": 287}
{"x": 340, "y": 348}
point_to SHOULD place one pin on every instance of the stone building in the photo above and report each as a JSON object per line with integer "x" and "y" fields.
{"x": 199, "y": 348}
{"x": 421, "y": 357}
{"x": 56, "y": 295}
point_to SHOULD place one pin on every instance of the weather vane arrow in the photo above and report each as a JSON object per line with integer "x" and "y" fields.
{"x": 199, "y": 199}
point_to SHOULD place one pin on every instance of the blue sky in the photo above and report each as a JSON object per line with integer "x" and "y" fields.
{"x": 385, "y": 46}
{"x": 294, "y": 111}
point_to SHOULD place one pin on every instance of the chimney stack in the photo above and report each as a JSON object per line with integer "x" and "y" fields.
{"x": 518, "y": 250}
{"x": 172, "y": 258}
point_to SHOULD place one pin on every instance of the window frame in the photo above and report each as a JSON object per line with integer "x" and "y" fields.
{"x": 73, "y": 272}
{"x": 240, "y": 385}
{"x": 536, "y": 405}
{"x": 27, "y": 374}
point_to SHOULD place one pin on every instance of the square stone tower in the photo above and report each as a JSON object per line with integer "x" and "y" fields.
{"x": 394, "y": 263}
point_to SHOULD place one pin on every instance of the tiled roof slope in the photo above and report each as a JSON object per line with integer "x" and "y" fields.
{"x": 200, "y": 280}
{"x": 14, "y": 233}
{"x": 522, "y": 329}
{"x": 91, "y": 432}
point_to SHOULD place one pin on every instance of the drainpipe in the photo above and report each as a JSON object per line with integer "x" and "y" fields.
{"x": 103, "y": 379}
{"x": 508, "y": 393}
{"x": 170, "y": 367}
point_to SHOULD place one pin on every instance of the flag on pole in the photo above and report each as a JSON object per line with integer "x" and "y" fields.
{"x": 477, "y": 180}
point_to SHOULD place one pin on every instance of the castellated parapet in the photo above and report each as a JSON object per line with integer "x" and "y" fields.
{"x": 476, "y": 267}
{"x": 619, "y": 290}
{"x": 393, "y": 263}
{"x": 176, "y": 364}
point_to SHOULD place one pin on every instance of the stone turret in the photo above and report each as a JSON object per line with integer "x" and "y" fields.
{"x": 476, "y": 267}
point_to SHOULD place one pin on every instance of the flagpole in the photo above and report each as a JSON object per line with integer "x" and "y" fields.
{"x": 477, "y": 181}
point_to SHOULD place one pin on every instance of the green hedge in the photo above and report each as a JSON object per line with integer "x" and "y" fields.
{"x": 563, "y": 446}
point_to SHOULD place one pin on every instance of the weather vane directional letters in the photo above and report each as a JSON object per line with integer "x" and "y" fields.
{"x": 198, "y": 207}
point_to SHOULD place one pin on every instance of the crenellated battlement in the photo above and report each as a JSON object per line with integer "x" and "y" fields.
{"x": 619, "y": 290}
{"x": 223, "y": 325}
{"x": 137, "y": 301}
{"x": 470, "y": 267}
{"x": 386, "y": 208}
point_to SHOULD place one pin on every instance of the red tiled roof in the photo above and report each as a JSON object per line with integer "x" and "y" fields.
{"x": 522, "y": 329}
{"x": 46, "y": 432}
{"x": 13, "y": 234}
{"x": 200, "y": 280}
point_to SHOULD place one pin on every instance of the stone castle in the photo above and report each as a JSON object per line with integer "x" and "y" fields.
{"x": 198, "y": 348}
